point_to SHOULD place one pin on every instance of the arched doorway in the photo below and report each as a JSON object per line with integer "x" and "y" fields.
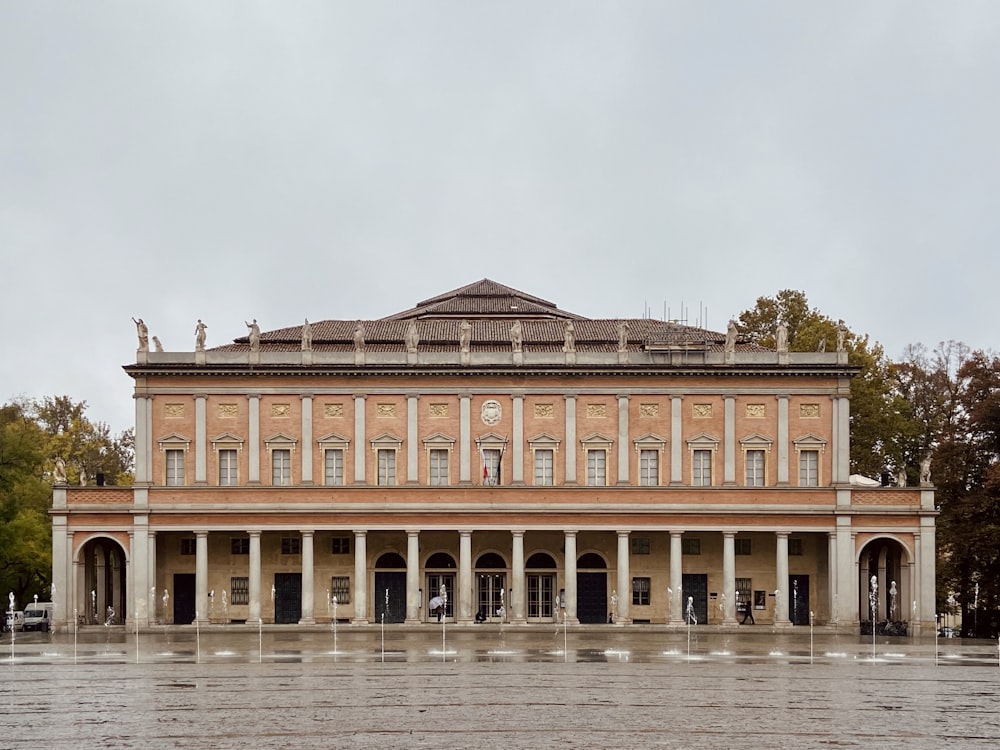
{"x": 103, "y": 602}
{"x": 491, "y": 581}
{"x": 389, "y": 597}
{"x": 890, "y": 598}
{"x": 591, "y": 589}
{"x": 440, "y": 570}
{"x": 540, "y": 570}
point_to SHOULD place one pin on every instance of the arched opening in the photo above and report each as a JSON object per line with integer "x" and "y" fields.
{"x": 491, "y": 583}
{"x": 389, "y": 599}
{"x": 885, "y": 587}
{"x": 592, "y": 589}
{"x": 439, "y": 572}
{"x": 103, "y": 602}
{"x": 541, "y": 587}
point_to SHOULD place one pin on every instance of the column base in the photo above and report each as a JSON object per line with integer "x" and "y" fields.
{"x": 359, "y": 621}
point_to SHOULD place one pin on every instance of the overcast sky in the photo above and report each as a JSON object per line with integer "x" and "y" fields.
{"x": 342, "y": 160}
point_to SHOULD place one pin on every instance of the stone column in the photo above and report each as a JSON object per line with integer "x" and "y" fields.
{"x": 832, "y": 576}
{"x": 925, "y": 582}
{"x": 782, "y": 440}
{"x": 200, "y": 441}
{"x": 307, "y": 438}
{"x": 61, "y": 613}
{"x": 201, "y": 576}
{"x": 412, "y": 439}
{"x": 845, "y": 599}
{"x": 571, "y": 446}
{"x": 360, "y": 578}
{"x": 516, "y": 603}
{"x": 623, "y": 442}
{"x": 623, "y": 615}
{"x": 308, "y": 581}
{"x": 570, "y": 594}
{"x": 361, "y": 449}
{"x": 154, "y": 599}
{"x": 253, "y": 442}
{"x": 517, "y": 449}
{"x": 676, "y": 441}
{"x": 729, "y": 577}
{"x": 412, "y": 576}
{"x": 253, "y": 576}
{"x": 781, "y": 580}
{"x": 463, "y": 609}
{"x": 139, "y": 584}
{"x": 729, "y": 441}
{"x": 676, "y": 578}
{"x": 464, "y": 436}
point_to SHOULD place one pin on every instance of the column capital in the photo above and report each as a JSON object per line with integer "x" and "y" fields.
{"x": 360, "y": 533}
{"x": 782, "y": 534}
{"x": 252, "y": 396}
{"x": 359, "y": 396}
{"x": 623, "y": 533}
{"x": 304, "y": 396}
{"x": 517, "y": 532}
{"x": 729, "y": 534}
{"x": 677, "y": 534}
{"x": 200, "y": 534}
{"x": 412, "y": 532}
{"x": 414, "y": 396}
{"x": 308, "y": 533}
{"x": 623, "y": 396}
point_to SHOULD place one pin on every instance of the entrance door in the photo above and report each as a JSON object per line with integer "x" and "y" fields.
{"x": 694, "y": 586}
{"x": 541, "y": 596}
{"x": 287, "y": 598}
{"x": 184, "y": 598}
{"x": 592, "y": 598}
{"x": 798, "y": 602}
{"x": 490, "y": 596}
{"x": 389, "y": 596}
{"x": 434, "y": 581}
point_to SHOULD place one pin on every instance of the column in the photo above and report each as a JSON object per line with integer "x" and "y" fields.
{"x": 845, "y": 599}
{"x": 570, "y": 613}
{"x": 308, "y": 581}
{"x": 622, "y": 616}
{"x": 464, "y": 436}
{"x": 782, "y": 439}
{"x": 925, "y": 582}
{"x": 571, "y": 446}
{"x": 201, "y": 576}
{"x": 200, "y": 441}
{"x": 832, "y": 576}
{"x": 729, "y": 577}
{"x": 623, "y": 443}
{"x": 142, "y": 468}
{"x": 729, "y": 441}
{"x": 253, "y": 444}
{"x": 676, "y": 442}
{"x": 676, "y": 578}
{"x": 412, "y": 576}
{"x": 517, "y": 449}
{"x": 307, "y": 439}
{"x": 517, "y": 577}
{"x": 155, "y": 603}
{"x": 463, "y": 607}
{"x": 781, "y": 580}
{"x": 411, "y": 438}
{"x": 139, "y": 584}
{"x": 360, "y": 578}
{"x": 61, "y": 613}
{"x": 253, "y": 616}
{"x": 360, "y": 448}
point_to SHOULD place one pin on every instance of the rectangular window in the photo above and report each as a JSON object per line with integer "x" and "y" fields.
{"x": 340, "y": 587}
{"x": 175, "y": 468}
{"x": 640, "y": 545}
{"x": 291, "y": 545}
{"x": 333, "y": 467}
{"x": 240, "y": 545}
{"x": 239, "y": 590}
{"x": 690, "y": 546}
{"x": 649, "y": 468}
{"x": 742, "y": 545}
{"x": 702, "y": 468}
{"x": 188, "y": 546}
{"x": 340, "y": 545}
{"x": 755, "y": 468}
{"x": 597, "y": 468}
{"x": 491, "y": 467}
{"x": 227, "y": 467}
{"x": 438, "y": 467}
{"x": 387, "y": 467}
{"x": 743, "y": 591}
{"x": 281, "y": 467}
{"x": 794, "y": 546}
{"x": 640, "y": 591}
{"x": 809, "y": 469}
{"x": 543, "y": 467}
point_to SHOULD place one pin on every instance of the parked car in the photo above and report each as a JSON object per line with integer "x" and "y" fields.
{"x": 38, "y": 616}
{"x": 948, "y": 632}
{"x": 18, "y": 623}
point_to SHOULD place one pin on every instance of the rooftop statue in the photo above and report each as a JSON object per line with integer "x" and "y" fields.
{"x": 254, "y": 335}
{"x": 199, "y": 336}
{"x": 516, "y": 337}
{"x": 412, "y": 337}
{"x": 307, "y": 336}
{"x": 143, "y": 333}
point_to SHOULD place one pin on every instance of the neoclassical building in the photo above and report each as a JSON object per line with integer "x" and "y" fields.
{"x": 534, "y": 464}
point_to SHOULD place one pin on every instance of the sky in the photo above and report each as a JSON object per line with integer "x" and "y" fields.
{"x": 231, "y": 160}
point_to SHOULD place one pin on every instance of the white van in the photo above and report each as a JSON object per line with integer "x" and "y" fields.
{"x": 38, "y": 616}
{"x": 18, "y": 622}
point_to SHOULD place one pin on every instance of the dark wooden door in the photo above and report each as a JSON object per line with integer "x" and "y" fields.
{"x": 592, "y": 597}
{"x": 184, "y": 602}
{"x": 798, "y": 599}
{"x": 391, "y": 585}
{"x": 695, "y": 587}
{"x": 287, "y": 598}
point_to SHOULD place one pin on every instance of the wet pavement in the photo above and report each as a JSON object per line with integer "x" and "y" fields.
{"x": 487, "y": 687}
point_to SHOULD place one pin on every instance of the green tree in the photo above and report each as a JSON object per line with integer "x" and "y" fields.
{"x": 88, "y": 448}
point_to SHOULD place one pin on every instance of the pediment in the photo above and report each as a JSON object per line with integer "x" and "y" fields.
{"x": 597, "y": 439}
{"x": 703, "y": 438}
{"x": 756, "y": 439}
{"x": 650, "y": 438}
{"x": 227, "y": 437}
{"x": 280, "y": 438}
{"x": 439, "y": 438}
{"x": 174, "y": 438}
{"x": 810, "y": 440}
{"x": 386, "y": 440}
{"x": 492, "y": 437}
{"x": 544, "y": 438}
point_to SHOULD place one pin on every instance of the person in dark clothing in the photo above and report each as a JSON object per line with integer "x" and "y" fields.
{"x": 748, "y": 612}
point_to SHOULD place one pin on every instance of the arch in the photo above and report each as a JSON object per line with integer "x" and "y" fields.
{"x": 888, "y": 560}
{"x": 390, "y": 560}
{"x": 591, "y": 560}
{"x": 440, "y": 560}
{"x": 103, "y": 588}
{"x": 491, "y": 560}
{"x": 540, "y": 560}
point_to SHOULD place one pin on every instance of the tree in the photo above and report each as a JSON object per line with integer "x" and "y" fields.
{"x": 87, "y": 447}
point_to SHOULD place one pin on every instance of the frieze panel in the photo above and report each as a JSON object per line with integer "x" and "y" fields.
{"x": 228, "y": 411}
{"x": 809, "y": 411}
{"x": 333, "y": 410}
{"x": 649, "y": 410}
{"x": 701, "y": 411}
{"x": 173, "y": 411}
{"x": 385, "y": 410}
{"x": 597, "y": 410}
{"x": 439, "y": 411}
{"x": 281, "y": 410}
{"x": 755, "y": 411}
{"x": 545, "y": 411}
